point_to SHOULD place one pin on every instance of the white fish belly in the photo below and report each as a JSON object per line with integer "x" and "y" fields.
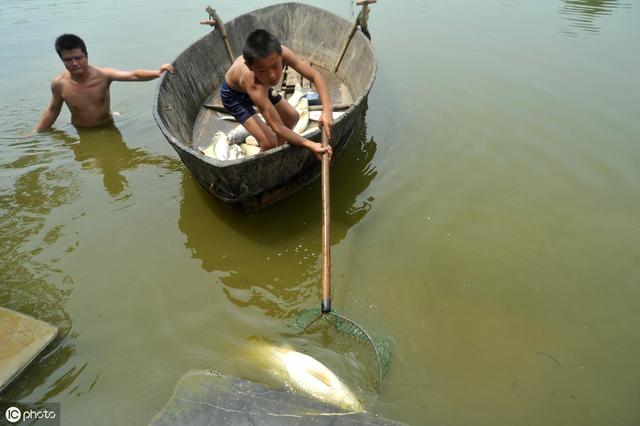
{"x": 310, "y": 376}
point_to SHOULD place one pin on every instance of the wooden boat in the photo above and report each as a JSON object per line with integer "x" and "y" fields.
{"x": 183, "y": 103}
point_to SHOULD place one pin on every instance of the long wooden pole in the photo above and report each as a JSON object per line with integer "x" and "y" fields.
{"x": 354, "y": 27}
{"x": 325, "y": 306}
{"x": 360, "y": 20}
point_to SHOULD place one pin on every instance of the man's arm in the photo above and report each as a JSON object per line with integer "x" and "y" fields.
{"x": 136, "y": 75}
{"x": 259, "y": 97}
{"x": 311, "y": 74}
{"x": 52, "y": 112}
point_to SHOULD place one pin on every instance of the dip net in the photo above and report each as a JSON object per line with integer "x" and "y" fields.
{"x": 345, "y": 335}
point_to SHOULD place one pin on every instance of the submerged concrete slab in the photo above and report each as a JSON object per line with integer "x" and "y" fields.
{"x": 207, "y": 398}
{"x": 22, "y": 338}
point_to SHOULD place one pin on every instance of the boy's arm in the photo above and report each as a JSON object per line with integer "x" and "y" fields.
{"x": 305, "y": 70}
{"x": 136, "y": 75}
{"x": 52, "y": 112}
{"x": 258, "y": 95}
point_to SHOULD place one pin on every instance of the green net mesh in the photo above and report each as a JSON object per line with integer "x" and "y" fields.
{"x": 345, "y": 334}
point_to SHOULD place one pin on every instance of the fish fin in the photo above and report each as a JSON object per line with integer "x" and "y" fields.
{"x": 321, "y": 376}
{"x": 303, "y": 110}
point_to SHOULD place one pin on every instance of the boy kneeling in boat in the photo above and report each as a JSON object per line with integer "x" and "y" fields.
{"x": 250, "y": 81}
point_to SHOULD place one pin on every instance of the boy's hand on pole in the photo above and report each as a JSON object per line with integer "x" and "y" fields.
{"x": 326, "y": 122}
{"x": 318, "y": 150}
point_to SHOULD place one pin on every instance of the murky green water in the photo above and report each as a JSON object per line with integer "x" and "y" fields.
{"x": 489, "y": 219}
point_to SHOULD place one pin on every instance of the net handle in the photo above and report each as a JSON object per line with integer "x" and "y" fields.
{"x": 325, "y": 305}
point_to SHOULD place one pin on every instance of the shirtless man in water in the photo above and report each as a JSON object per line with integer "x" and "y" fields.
{"x": 85, "y": 88}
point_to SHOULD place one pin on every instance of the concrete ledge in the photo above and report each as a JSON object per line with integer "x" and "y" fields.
{"x": 22, "y": 338}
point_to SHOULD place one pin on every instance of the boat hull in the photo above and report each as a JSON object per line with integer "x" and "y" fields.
{"x": 252, "y": 183}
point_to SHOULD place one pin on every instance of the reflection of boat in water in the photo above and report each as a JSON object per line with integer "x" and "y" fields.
{"x": 257, "y": 181}
{"x": 583, "y": 14}
{"x": 270, "y": 259}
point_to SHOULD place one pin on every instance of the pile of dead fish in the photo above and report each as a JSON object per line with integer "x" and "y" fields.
{"x": 239, "y": 143}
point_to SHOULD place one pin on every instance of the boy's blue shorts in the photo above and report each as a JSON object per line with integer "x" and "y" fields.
{"x": 239, "y": 104}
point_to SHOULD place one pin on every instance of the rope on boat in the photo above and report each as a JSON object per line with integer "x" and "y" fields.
{"x": 214, "y": 20}
{"x": 362, "y": 21}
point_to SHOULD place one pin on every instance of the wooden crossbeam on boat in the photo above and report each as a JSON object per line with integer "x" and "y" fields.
{"x": 222, "y": 109}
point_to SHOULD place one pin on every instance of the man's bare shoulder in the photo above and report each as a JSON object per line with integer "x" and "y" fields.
{"x": 104, "y": 73}
{"x": 60, "y": 80}
{"x": 93, "y": 73}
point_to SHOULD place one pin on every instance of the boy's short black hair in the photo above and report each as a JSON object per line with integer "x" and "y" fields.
{"x": 260, "y": 44}
{"x": 69, "y": 42}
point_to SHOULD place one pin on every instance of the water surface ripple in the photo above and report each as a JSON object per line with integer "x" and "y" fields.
{"x": 486, "y": 216}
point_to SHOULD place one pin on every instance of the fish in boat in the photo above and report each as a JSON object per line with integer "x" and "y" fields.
{"x": 181, "y": 104}
{"x": 209, "y": 148}
{"x": 235, "y": 152}
{"x": 220, "y": 146}
{"x": 303, "y": 121}
{"x": 295, "y": 97}
{"x": 209, "y": 151}
{"x": 249, "y": 149}
{"x": 308, "y": 375}
{"x": 225, "y": 144}
{"x": 238, "y": 135}
{"x": 251, "y": 140}
{"x": 220, "y": 149}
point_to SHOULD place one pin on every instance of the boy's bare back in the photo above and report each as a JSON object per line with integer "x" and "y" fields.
{"x": 237, "y": 75}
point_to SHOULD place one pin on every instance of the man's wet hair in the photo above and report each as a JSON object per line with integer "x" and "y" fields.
{"x": 69, "y": 42}
{"x": 260, "y": 44}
